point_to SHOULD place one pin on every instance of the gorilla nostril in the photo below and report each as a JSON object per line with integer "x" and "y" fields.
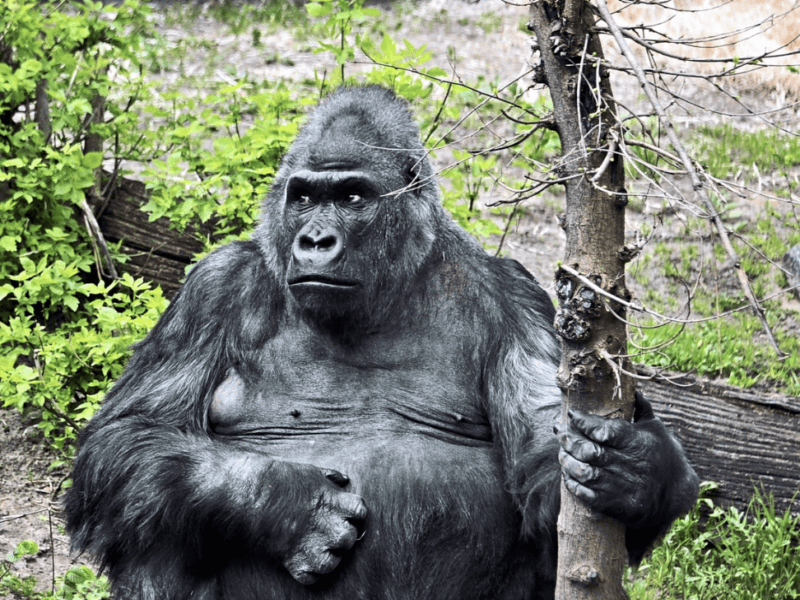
{"x": 325, "y": 243}
{"x": 307, "y": 243}
{"x": 318, "y": 243}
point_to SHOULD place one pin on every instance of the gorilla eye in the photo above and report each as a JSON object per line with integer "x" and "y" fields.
{"x": 305, "y": 200}
{"x": 354, "y": 198}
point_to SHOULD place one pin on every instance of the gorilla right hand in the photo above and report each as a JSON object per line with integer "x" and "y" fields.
{"x": 334, "y": 528}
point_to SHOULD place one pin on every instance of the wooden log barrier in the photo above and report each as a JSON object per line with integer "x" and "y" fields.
{"x": 734, "y": 437}
{"x": 156, "y": 252}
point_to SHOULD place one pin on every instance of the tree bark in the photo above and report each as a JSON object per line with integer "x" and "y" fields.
{"x": 591, "y": 551}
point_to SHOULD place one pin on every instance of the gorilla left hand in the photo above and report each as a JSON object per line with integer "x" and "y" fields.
{"x": 618, "y": 468}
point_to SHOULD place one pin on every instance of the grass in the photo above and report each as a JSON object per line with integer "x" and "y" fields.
{"x": 725, "y": 348}
{"x": 729, "y": 152}
{"x": 734, "y": 347}
{"x": 724, "y": 554}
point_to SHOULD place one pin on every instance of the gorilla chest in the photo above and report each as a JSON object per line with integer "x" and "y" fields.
{"x": 307, "y": 394}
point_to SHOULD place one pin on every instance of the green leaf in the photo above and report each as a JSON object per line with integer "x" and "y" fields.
{"x": 71, "y": 302}
{"x": 92, "y": 160}
{"x": 8, "y": 243}
{"x": 316, "y": 10}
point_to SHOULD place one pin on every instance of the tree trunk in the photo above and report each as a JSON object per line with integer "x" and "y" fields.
{"x": 591, "y": 552}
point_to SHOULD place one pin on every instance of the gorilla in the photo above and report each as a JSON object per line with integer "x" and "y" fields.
{"x": 357, "y": 403}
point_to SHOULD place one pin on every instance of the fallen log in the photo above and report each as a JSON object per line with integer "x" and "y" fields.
{"x": 155, "y": 252}
{"x": 737, "y": 438}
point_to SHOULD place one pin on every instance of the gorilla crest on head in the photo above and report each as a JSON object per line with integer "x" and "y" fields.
{"x": 353, "y": 212}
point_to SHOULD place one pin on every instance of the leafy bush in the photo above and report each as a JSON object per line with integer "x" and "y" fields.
{"x": 219, "y": 154}
{"x": 65, "y": 334}
{"x": 78, "y": 583}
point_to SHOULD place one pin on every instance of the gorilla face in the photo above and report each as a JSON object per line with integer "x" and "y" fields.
{"x": 350, "y": 220}
{"x": 330, "y": 211}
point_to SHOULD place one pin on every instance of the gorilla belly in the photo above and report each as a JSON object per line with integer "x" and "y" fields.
{"x": 440, "y": 523}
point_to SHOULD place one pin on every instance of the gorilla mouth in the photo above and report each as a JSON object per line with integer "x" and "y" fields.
{"x": 323, "y": 281}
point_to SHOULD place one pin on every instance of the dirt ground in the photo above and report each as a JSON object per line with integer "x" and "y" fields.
{"x": 29, "y": 506}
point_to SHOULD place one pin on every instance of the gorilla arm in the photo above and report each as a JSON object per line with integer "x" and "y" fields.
{"x": 634, "y": 472}
{"x": 150, "y": 478}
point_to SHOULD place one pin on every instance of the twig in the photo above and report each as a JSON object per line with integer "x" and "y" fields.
{"x": 506, "y": 229}
{"x": 52, "y": 553}
{"x": 97, "y": 234}
{"x": 61, "y": 481}
{"x": 20, "y": 516}
{"x": 612, "y": 148}
{"x": 615, "y": 368}
{"x": 697, "y": 185}
{"x": 436, "y": 121}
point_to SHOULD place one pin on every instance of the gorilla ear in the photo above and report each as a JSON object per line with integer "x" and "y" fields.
{"x": 411, "y": 171}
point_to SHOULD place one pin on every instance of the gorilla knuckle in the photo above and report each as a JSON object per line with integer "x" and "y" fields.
{"x": 344, "y": 536}
{"x": 307, "y": 567}
{"x": 303, "y": 576}
{"x": 358, "y": 510}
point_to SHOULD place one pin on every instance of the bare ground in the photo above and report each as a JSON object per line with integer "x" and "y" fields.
{"x": 29, "y": 505}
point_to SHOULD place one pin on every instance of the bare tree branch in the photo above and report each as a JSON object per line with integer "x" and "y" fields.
{"x": 688, "y": 164}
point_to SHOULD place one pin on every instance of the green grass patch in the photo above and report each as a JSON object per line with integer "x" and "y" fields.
{"x": 733, "y": 555}
{"x": 734, "y": 347}
{"x": 724, "y": 150}
{"x": 725, "y": 348}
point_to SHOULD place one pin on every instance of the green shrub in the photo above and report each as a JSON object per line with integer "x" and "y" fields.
{"x": 64, "y": 334}
{"x": 78, "y": 583}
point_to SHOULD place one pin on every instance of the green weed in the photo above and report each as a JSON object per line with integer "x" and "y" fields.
{"x": 727, "y": 555}
{"x": 78, "y": 583}
{"x": 728, "y": 152}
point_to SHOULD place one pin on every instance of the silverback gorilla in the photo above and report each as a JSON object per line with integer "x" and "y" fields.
{"x": 358, "y": 403}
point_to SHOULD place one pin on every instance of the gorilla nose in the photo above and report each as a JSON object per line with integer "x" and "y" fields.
{"x": 317, "y": 247}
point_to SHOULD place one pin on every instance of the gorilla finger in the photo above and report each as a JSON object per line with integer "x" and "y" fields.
{"x": 581, "y": 448}
{"x": 353, "y": 508}
{"x": 580, "y": 491}
{"x": 643, "y": 410}
{"x": 304, "y": 577}
{"x": 324, "y": 562}
{"x": 610, "y": 432}
{"x": 576, "y": 469}
{"x": 337, "y": 478}
{"x": 343, "y": 536}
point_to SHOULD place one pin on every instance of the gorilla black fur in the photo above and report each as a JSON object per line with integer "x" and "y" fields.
{"x": 358, "y": 403}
